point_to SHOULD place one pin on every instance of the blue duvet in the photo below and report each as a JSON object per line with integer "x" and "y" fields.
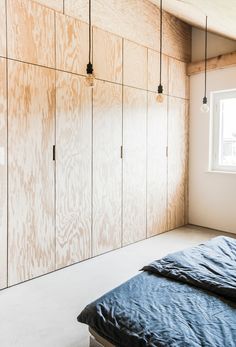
{"x": 186, "y": 299}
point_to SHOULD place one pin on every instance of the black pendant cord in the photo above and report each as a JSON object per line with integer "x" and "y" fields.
{"x": 90, "y": 31}
{"x": 206, "y": 48}
{"x": 161, "y": 41}
{"x": 90, "y": 65}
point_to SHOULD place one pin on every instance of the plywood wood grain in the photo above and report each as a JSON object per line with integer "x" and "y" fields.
{"x": 138, "y": 21}
{"x": 31, "y": 229}
{"x": 177, "y": 161}
{"x": 73, "y": 169}
{"x": 135, "y": 65}
{"x": 134, "y": 165}
{"x": 178, "y": 80}
{"x": 156, "y": 166}
{"x": 31, "y": 32}
{"x": 176, "y": 38}
{"x": 107, "y": 56}
{"x": 154, "y": 71}
{"x": 3, "y": 175}
{"x": 107, "y": 167}
{"x": 54, "y": 4}
{"x": 3, "y": 28}
{"x": 72, "y": 44}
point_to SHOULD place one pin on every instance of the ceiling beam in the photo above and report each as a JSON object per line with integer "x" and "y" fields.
{"x": 216, "y": 63}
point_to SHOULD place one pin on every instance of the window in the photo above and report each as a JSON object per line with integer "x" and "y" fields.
{"x": 223, "y": 156}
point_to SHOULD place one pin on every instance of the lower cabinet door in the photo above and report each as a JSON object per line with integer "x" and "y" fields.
{"x": 73, "y": 169}
{"x": 31, "y": 118}
{"x": 177, "y": 161}
{"x": 107, "y": 167}
{"x": 134, "y": 164}
{"x": 156, "y": 165}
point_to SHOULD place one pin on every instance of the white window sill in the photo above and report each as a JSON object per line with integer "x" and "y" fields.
{"x": 221, "y": 172}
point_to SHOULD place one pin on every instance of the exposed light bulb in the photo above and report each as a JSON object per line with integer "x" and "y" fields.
{"x": 205, "y": 108}
{"x": 90, "y": 80}
{"x": 160, "y": 98}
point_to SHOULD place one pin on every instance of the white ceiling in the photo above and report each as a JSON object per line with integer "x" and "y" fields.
{"x": 221, "y": 14}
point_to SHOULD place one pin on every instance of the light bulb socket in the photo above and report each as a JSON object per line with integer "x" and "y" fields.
{"x": 204, "y": 100}
{"x": 89, "y": 68}
{"x": 160, "y": 89}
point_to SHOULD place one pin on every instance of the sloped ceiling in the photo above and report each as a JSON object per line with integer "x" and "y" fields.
{"x": 221, "y": 14}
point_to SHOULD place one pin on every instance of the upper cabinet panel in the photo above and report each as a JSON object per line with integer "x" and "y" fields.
{"x": 138, "y": 21}
{"x": 107, "y": 56}
{"x": 135, "y": 65}
{"x": 3, "y": 175}
{"x": 54, "y": 4}
{"x": 178, "y": 80}
{"x": 154, "y": 71}
{"x": 31, "y": 35}
{"x": 177, "y": 38}
{"x": 2, "y": 28}
{"x": 72, "y": 44}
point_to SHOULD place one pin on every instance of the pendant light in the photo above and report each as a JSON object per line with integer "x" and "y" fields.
{"x": 205, "y": 107}
{"x": 90, "y": 79}
{"x": 160, "y": 96}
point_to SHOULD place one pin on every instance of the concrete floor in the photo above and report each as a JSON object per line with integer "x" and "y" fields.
{"x": 42, "y": 312}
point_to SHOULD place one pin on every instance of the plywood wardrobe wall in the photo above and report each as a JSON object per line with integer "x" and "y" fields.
{"x": 85, "y": 172}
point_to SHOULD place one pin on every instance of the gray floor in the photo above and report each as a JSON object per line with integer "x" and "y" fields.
{"x": 42, "y": 312}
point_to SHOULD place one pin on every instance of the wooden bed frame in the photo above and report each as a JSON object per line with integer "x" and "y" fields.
{"x": 98, "y": 341}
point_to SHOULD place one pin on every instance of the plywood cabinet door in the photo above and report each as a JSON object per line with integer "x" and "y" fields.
{"x": 3, "y": 28}
{"x": 73, "y": 169}
{"x": 156, "y": 166}
{"x": 30, "y": 32}
{"x": 31, "y": 117}
{"x": 177, "y": 161}
{"x": 134, "y": 165}
{"x": 107, "y": 167}
{"x": 3, "y": 175}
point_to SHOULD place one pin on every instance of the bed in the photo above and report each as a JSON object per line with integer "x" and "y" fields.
{"x": 187, "y": 298}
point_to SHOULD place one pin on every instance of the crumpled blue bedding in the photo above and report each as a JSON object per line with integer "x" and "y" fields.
{"x": 185, "y": 299}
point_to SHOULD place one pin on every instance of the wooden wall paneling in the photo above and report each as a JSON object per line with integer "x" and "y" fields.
{"x": 56, "y": 5}
{"x": 3, "y": 175}
{"x": 31, "y": 117}
{"x": 134, "y": 164}
{"x": 177, "y": 38}
{"x": 177, "y": 161}
{"x": 71, "y": 44}
{"x": 31, "y": 35}
{"x": 3, "y": 28}
{"x": 107, "y": 167}
{"x": 135, "y": 65}
{"x": 178, "y": 80}
{"x": 107, "y": 56}
{"x": 154, "y": 71}
{"x": 156, "y": 166}
{"x": 139, "y": 22}
{"x": 136, "y": 20}
{"x": 73, "y": 169}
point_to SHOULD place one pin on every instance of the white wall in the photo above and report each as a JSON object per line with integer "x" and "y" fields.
{"x": 212, "y": 196}
{"x": 216, "y": 45}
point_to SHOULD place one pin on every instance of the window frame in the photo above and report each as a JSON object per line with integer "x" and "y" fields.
{"x": 216, "y": 97}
